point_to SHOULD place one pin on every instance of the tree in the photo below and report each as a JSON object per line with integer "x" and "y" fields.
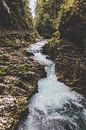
{"x": 43, "y": 21}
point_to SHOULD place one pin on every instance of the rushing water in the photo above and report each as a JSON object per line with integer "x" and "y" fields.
{"x": 55, "y": 106}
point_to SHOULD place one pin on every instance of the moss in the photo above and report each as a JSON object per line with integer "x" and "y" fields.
{"x": 73, "y": 24}
{"x": 54, "y": 9}
{"x": 56, "y": 35}
{"x": 4, "y": 57}
{"x": 64, "y": 7}
{"x": 19, "y": 17}
{"x": 3, "y": 70}
{"x": 69, "y": 14}
{"x": 52, "y": 42}
{"x": 23, "y": 69}
{"x": 20, "y": 70}
{"x": 29, "y": 37}
{"x": 6, "y": 43}
{"x": 27, "y": 14}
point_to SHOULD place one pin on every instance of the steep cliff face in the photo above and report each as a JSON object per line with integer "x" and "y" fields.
{"x": 15, "y": 15}
{"x": 18, "y": 73}
{"x": 73, "y": 24}
{"x": 50, "y": 13}
{"x": 68, "y": 45}
{"x": 16, "y": 21}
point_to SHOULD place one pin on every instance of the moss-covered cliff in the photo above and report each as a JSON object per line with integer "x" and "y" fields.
{"x": 16, "y": 21}
{"x": 68, "y": 44}
{"x": 18, "y": 73}
{"x": 53, "y": 10}
{"x": 68, "y": 18}
{"x": 73, "y": 24}
{"x": 15, "y": 15}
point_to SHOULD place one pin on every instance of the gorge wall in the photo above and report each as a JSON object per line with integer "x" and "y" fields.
{"x": 18, "y": 73}
{"x": 15, "y": 15}
{"x": 16, "y": 20}
{"x": 67, "y": 45}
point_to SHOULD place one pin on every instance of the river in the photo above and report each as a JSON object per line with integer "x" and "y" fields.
{"x": 55, "y": 106}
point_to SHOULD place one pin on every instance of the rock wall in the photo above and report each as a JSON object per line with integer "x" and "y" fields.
{"x": 18, "y": 81}
{"x": 18, "y": 73}
{"x": 68, "y": 47}
{"x": 70, "y": 65}
{"x": 73, "y": 24}
{"x": 15, "y": 15}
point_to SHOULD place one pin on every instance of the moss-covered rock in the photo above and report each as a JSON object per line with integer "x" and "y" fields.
{"x": 73, "y": 24}
{"x": 70, "y": 64}
{"x": 18, "y": 73}
{"x": 18, "y": 82}
{"x": 68, "y": 49}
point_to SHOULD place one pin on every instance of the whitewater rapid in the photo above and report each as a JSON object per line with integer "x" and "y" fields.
{"x": 55, "y": 106}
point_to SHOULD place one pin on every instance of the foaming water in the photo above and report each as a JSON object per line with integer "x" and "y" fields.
{"x": 55, "y": 106}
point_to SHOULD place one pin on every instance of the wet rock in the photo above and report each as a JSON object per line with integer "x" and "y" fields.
{"x": 8, "y": 107}
{"x": 69, "y": 51}
{"x": 70, "y": 65}
{"x": 18, "y": 82}
{"x": 26, "y": 53}
{"x": 18, "y": 74}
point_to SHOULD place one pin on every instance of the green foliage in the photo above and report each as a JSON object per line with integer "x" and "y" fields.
{"x": 7, "y": 42}
{"x": 27, "y": 13}
{"x": 58, "y": 19}
{"x": 45, "y": 26}
{"x": 43, "y": 20}
{"x": 3, "y": 70}
{"x": 63, "y": 8}
{"x": 49, "y": 14}
{"x": 19, "y": 18}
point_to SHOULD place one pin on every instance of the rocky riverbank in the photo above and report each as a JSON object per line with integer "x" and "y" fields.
{"x": 18, "y": 81}
{"x": 18, "y": 73}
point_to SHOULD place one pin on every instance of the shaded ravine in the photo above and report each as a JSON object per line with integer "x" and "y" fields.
{"x": 55, "y": 106}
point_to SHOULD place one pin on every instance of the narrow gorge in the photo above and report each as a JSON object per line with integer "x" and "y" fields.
{"x": 43, "y": 65}
{"x": 54, "y": 106}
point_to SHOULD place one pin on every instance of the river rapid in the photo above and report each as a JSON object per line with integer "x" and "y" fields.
{"x": 55, "y": 106}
